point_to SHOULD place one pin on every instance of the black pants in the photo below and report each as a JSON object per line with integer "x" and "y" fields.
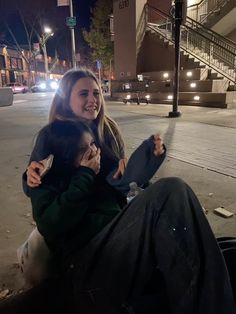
{"x": 158, "y": 253}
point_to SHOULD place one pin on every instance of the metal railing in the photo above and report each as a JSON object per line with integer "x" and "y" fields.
{"x": 203, "y": 10}
{"x": 206, "y": 46}
{"x": 198, "y": 11}
{"x": 211, "y": 35}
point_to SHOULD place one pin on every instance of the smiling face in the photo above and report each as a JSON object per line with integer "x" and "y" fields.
{"x": 85, "y": 99}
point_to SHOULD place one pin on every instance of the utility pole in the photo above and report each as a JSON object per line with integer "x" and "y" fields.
{"x": 179, "y": 18}
{"x": 110, "y": 77}
{"x": 72, "y": 30}
{"x": 70, "y": 22}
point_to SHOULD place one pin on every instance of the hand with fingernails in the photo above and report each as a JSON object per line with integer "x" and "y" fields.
{"x": 159, "y": 148}
{"x": 121, "y": 168}
{"x": 33, "y": 177}
{"x": 91, "y": 159}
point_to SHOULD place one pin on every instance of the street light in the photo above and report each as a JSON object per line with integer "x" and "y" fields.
{"x": 43, "y": 39}
{"x": 180, "y": 10}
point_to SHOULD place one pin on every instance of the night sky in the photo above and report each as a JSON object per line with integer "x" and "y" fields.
{"x": 52, "y": 16}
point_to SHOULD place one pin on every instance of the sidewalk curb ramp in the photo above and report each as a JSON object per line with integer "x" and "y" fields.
{"x": 6, "y": 96}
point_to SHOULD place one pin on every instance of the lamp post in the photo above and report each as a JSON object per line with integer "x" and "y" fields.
{"x": 43, "y": 39}
{"x": 180, "y": 9}
{"x": 72, "y": 36}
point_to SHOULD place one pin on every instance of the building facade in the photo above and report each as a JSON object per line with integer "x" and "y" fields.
{"x": 16, "y": 66}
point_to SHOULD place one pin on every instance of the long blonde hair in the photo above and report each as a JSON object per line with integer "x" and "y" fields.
{"x": 109, "y": 135}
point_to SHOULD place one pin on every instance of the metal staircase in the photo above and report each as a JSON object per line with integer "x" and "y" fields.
{"x": 211, "y": 49}
{"x": 208, "y": 63}
{"x": 201, "y": 12}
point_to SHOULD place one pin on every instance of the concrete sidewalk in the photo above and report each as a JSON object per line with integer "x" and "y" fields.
{"x": 201, "y": 150}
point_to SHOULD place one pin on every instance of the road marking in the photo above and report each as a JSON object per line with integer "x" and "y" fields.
{"x": 19, "y": 100}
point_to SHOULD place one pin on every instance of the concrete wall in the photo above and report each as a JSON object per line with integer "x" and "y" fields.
{"x": 127, "y": 16}
{"x": 125, "y": 38}
{"x": 164, "y": 5}
{"x": 232, "y": 35}
{"x": 155, "y": 55}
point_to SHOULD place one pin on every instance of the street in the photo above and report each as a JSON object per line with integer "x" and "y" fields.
{"x": 201, "y": 149}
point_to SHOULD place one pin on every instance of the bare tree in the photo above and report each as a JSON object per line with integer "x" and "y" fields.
{"x": 33, "y": 30}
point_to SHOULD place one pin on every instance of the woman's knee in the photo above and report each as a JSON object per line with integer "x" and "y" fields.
{"x": 170, "y": 185}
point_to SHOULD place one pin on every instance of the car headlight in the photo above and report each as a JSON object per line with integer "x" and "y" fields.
{"x": 42, "y": 86}
{"x": 53, "y": 85}
{"x": 128, "y": 96}
{"x": 147, "y": 96}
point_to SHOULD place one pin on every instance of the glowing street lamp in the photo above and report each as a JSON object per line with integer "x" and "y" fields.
{"x": 43, "y": 39}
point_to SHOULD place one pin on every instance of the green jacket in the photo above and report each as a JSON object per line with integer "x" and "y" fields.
{"x": 68, "y": 214}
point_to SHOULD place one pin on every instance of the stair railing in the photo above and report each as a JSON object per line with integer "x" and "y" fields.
{"x": 211, "y": 35}
{"x": 201, "y": 11}
{"x": 195, "y": 40}
{"x": 198, "y": 11}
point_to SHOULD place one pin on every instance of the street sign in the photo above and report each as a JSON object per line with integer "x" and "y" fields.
{"x": 71, "y": 21}
{"x": 99, "y": 64}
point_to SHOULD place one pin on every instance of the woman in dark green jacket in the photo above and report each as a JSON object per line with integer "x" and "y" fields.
{"x": 74, "y": 201}
{"x": 155, "y": 255}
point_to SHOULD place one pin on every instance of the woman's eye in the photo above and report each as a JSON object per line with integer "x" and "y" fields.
{"x": 84, "y": 94}
{"x": 96, "y": 93}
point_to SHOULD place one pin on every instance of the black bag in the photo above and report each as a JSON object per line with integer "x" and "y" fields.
{"x": 228, "y": 249}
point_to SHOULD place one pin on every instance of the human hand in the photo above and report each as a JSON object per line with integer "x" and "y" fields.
{"x": 91, "y": 159}
{"x": 159, "y": 146}
{"x": 33, "y": 177}
{"x": 121, "y": 168}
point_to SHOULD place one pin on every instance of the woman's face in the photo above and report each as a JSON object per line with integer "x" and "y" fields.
{"x": 85, "y": 99}
{"x": 87, "y": 142}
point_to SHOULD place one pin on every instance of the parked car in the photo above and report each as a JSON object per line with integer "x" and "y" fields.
{"x": 18, "y": 88}
{"x": 45, "y": 86}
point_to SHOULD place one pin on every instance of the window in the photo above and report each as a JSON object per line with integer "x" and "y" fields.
{"x": 2, "y": 62}
{"x": 16, "y": 63}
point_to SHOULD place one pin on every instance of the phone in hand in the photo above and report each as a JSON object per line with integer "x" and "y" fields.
{"x": 47, "y": 163}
